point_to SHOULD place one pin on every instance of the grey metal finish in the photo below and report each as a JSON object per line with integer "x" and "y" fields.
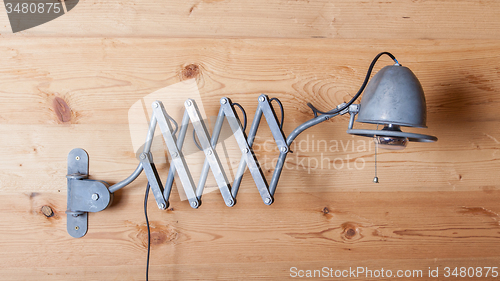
{"x": 213, "y": 142}
{"x": 138, "y": 170}
{"x": 153, "y": 179}
{"x": 243, "y": 164}
{"x": 117, "y": 186}
{"x": 77, "y": 220}
{"x": 394, "y": 96}
{"x": 180, "y": 143}
{"x": 265, "y": 191}
{"x": 248, "y": 155}
{"x": 151, "y": 133}
{"x": 212, "y": 162}
{"x": 77, "y": 225}
{"x": 291, "y": 137}
{"x": 83, "y": 195}
{"x": 411, "y": 136}
{"x": 208, "y": 144}
{"x": 210, "y": 153}
{"x": 177, "y": 158}
{"x": 272, "y": 122}
{"x": 353, "y": 110}
{"x": 277, "y": 173}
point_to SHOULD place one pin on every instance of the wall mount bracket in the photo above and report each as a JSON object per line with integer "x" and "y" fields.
{"x": 84, "y": 195}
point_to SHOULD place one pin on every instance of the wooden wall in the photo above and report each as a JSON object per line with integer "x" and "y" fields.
{"x": 70, "y": 83}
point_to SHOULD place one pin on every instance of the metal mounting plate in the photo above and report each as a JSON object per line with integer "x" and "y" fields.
{"x": 84, "y": 195}
{"x": 78, "y": 168}
{"x": 77, "y": 226}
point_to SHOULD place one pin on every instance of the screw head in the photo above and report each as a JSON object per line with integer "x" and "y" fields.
{"x": 246, "y": 150}
{"x": 77, "y": 158}
{"x": 268, "y": 200}
{"x": 262, "y": 98}
{"x": 223, "y": 101}
{"x": 175, "y": 154}
{"x": 161, "y": 206}
{"x": 209, "y": 152}
{"x": 194, "y": 204}
{"x": 230, "y": 202}
{"x": 375, "y": 180}
{"x": 156, "y": 104}
{"x": 143, "y": 156}
{"x": 189, "y": 103}
{"x": 95, "y": 196}
{"x": 284, "y": 149}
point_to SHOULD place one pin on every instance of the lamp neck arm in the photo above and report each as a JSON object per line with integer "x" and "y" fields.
{"x": 306, "y": 125}
{"x": 291, "y": 137}
{"x": 352, "y": 109}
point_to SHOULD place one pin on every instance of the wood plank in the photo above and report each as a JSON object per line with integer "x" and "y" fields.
{"x": 412, "y": 231}
{"x": 360, "y": 19}
{"x": 436, "y": 205}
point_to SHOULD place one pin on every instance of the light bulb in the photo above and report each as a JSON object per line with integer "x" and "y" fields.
{"x": 392, "y": 143}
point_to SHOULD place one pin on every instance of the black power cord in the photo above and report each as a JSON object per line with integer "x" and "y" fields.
{"x": 195, "y": 141}
{"x": 361, "y": 89}
{"x": 281, "y": 110}
{"x": 244, "y": 124}
{"x": 175, "y": 124}
{"x": 149, "y": 232}
{"x": 244, "y": 115}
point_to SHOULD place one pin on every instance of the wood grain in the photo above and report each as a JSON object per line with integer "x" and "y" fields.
{"x": 460, "y": 85}
{"x": 436, "y": 205}
{"x": 359, "y": 19}
{"x": 412, "y": 230}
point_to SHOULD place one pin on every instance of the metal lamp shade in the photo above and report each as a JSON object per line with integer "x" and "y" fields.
{"x": 393, "y": 97}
